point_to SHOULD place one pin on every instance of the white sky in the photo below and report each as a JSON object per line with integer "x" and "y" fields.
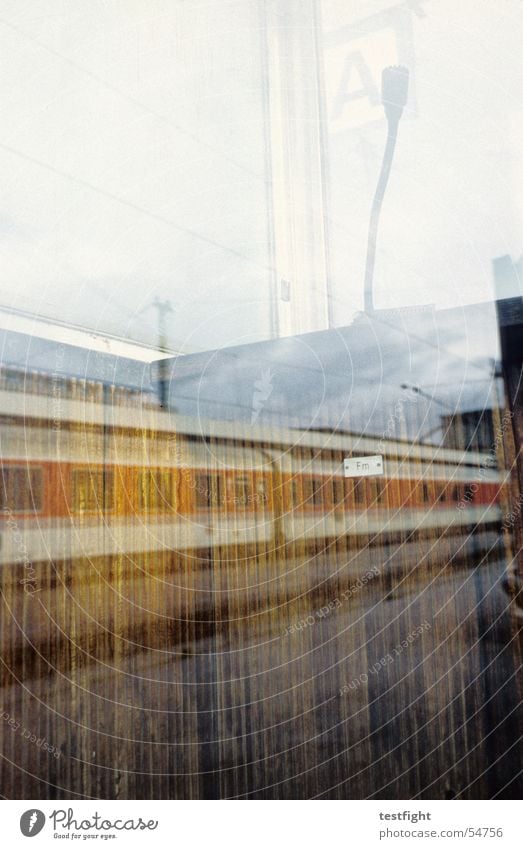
{"x": 132, "y": 162}
{"x": 122, "y": 186}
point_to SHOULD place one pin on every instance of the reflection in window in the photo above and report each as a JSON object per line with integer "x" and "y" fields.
{"x": 202, "y": 490}
{"x": 295, "y": 493}
{"x": 338, "y": 492}
{"x": 22, "y": 489}
{"x": 314, "y": 491}
{"x": 156, "y": 490}
{"x": 92, "y": 490}
{"x": 381, "y": 491}
{"x": 469, "y": 492}
{"x": 261, "y": 491}
{"x": 208, "y": 491}
{"x": 359, "y": 492}
{"x": 242, "y": 490}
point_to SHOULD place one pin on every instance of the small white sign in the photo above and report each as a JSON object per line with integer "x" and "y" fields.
{"x": 361, "y": 467}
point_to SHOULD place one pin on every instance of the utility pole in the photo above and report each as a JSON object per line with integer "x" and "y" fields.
{"x": 164, "y": 308}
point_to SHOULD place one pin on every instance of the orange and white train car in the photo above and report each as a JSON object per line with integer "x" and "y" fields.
{"x": 87, "y": 479}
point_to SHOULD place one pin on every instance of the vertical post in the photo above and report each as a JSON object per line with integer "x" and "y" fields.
{"x": 509, "y": 308}
{"x": 295, "y": 166}
{"x": 163, "y": 307}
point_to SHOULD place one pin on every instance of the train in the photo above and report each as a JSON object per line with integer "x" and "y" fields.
{"x": 94, "y": 476}
{"x": 173, "y": 584}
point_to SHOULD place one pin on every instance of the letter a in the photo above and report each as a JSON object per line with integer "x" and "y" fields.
{"x": 368, "y": 89}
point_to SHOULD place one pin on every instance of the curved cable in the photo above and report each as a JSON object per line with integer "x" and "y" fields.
{"x": 394, "y": 96}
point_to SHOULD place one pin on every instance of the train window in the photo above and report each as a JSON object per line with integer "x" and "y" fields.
{"x": 209, "y": 490}
{"x": 455, "y": 493}
{"x": 314, "y": 491}
{"x": 295, "y": 492}
{"x": 217, "y": 490}
{"x": 21, "y": 489}
{"x": 242, "y": 490}
{"x": 338, "y": 492}
{"x": 261, "y": 491}
{"x": 468, "y": 494}
{"x": 381, "y": 491}
{"x": 307, "y": 490}
{"x": 425, "y": 492}
{"x": 156, "y": 490}
{"x": 92, "y": 490}
{"x": 359, "y": 492}
{"x": 317, "y": 492}
{"x": 203, "y": 490}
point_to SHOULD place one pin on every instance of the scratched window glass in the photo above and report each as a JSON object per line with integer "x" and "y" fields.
{"x": 261, "y": 425}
